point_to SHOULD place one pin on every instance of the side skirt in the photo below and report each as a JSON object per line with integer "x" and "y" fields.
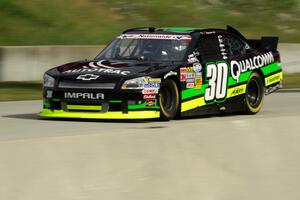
{"x": 232, "y": 105}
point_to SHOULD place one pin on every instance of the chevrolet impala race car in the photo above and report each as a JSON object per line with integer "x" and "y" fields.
{"x": 166, "y": 73}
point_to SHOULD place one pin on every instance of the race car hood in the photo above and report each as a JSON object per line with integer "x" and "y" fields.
{"x": 107, "y": 71}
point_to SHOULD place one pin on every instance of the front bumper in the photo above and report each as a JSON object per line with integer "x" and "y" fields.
{"x": 116, "y": 105}
{"x": 151, "y": 114}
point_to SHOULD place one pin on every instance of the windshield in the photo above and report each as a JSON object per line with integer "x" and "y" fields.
{"x": 147, "y": 47}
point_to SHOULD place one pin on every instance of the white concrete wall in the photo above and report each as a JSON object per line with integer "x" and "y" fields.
{"x": 29, "y": 63}
{"x": 290, "y": 57}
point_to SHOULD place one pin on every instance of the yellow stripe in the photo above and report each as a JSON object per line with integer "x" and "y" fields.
{"x": 107, "y": 115}
{"x": 188, "y": 105}
{"x": 83, "y": 107}
{"x": 232, "y": 92}
{"x": 273, "y": 79}
{"x": 235, "y": 91}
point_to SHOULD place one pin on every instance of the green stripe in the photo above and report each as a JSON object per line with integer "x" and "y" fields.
{"x": 243, "y": 78}
{"x": 188, "y": 93}
{"x": 141, "y": 106}
{"x": 271, "y": 68}
{"x": 266, "y": 70}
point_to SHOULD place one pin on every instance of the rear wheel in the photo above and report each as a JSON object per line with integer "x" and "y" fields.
{"x": 168, "y": 100}
{"x": 254, "y": 94}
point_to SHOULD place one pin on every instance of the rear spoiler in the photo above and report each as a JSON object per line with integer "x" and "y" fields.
{"x": 266, "y": 42}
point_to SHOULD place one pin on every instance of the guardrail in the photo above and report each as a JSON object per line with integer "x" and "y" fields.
{"x": 28, "y": 63}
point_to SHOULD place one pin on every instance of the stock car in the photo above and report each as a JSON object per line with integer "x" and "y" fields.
{"x": 165, "y": 73}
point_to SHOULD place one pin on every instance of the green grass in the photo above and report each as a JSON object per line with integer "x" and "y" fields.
{"x": 70, "y": 22}
{"x": 15, "y": 91}
{"x": 291, "y": 80}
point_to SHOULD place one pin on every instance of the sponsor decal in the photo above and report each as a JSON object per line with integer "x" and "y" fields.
{"x": 100, "y": 64}
{"x": 190, "y": 70}
{"x": 198, "y": 75}
{"x": 152, "y": 85}
{"x": 197, "y": 67}
{"x": 79, "y": 95}
{"x": 208, "y": 32}
{"x": 273, "y": 79}
{"x": 155, "y": 37}
{"x": 183, "y": 72}
{"x": 155, "y": 80}
{"x": 100, "y": 68}
{"x": 237, "y": 91}
{"x": 87, "y": 77}
{"x": 192, "y": 58}
{"x": 150, "y": 103}
{"x": 190, "y": 85}
{"x": 190, "y": 80}
{"x": 149, "y": 96}
{"x": 150, "y": 91}
{"x": 190, "y": 75}
{"x": 222, "y": 47}
{"x": 238, "y": 67}
{"x": 198, "y": 83}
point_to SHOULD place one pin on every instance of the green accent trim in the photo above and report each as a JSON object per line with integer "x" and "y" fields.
{"x": 55, "y": 99}
{"x": 115, "y": 101}
{"x": 142, "y": 106}
{"x": 47, "y": 104}
{"x": 178, "y": 29}
{"x": 271, "y": 68}
{"x": 83, "y": 107}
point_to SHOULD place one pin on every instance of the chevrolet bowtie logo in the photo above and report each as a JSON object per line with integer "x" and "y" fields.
{"x": 88, "y": 77}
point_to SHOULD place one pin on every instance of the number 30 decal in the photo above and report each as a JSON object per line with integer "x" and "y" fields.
{"x": 217, "y": 76}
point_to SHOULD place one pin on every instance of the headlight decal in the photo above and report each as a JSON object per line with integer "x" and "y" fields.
{"x": 142, "y": 83}
{"x": 134, "y": 84}
{"x": 49, "y": 81}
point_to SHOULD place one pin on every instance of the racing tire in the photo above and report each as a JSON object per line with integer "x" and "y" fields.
{"x": 168, "y": 100}
{"x": 254, "y": 96}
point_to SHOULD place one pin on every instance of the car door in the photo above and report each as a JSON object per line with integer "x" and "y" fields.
{"x": 216, "y": 53}
{"x": 215, "y": 68}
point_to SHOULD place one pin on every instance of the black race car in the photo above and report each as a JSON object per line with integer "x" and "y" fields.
{"x": 164, "y": 73}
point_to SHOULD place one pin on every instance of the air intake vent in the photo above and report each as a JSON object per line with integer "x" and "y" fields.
{"x": 73, "y": 85}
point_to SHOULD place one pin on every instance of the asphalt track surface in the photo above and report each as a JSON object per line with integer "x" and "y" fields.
{"x": 222, "y": 157}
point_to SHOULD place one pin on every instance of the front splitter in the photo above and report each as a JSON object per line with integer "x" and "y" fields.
{"x": 97, "y": 115}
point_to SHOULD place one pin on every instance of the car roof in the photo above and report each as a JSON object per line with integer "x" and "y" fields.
{"x": 174, "y": 30}
{"x": 184, "y": 31}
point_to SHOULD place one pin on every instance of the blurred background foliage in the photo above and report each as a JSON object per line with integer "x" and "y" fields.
{"x": 92, "y": 22}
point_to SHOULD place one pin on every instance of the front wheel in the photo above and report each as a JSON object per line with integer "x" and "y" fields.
{"x": 254, "y": 94}
{"x": 168, "y": 100}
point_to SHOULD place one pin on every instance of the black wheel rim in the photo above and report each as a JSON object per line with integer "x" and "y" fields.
{"x": 166, "y": 99}
{"x": 253, "y": 94}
